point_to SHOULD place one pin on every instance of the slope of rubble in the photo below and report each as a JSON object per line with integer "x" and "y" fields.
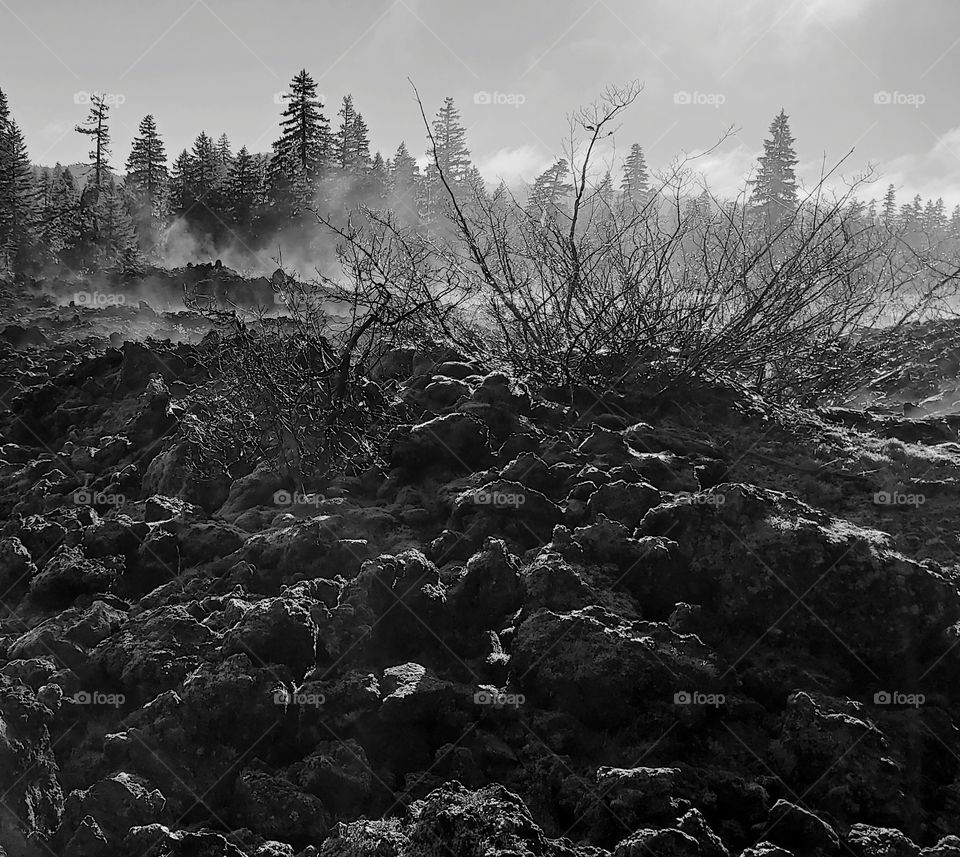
{"x": 557, "y": 623}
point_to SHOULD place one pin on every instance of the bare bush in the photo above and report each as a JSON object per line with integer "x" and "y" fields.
{"x": 295, "y": 389}
{"x": 606, "y": 289}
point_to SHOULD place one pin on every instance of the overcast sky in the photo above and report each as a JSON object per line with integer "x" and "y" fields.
{"x": 877, "y": 75}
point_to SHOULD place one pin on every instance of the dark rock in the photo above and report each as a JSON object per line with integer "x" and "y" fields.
{"x": 801, "y": 831}
{"x": 866, "y": 841}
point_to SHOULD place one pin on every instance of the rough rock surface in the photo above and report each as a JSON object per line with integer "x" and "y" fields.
{"x": 551, "y": 622}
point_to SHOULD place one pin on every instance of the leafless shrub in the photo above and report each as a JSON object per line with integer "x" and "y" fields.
{"x": 294, "y": 388}
{"x": 606, "y": 289}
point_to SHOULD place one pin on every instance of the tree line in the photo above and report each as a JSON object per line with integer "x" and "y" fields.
{"x": 248, "y": 200}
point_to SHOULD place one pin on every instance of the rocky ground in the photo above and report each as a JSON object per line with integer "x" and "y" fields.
{"x": 557, "y": 623}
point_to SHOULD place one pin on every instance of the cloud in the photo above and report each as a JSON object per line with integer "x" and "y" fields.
{"x": 932, "y": 174}
{"x": 514, "y": 165}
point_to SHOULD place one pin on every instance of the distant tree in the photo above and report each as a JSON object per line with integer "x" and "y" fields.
{"x": 775, "y": 187}
{"x": 404, "y": 185}
{"x": 352, "y": 143}
{"x": 635, "y": 184}
{"x": 448, "y": 150}
{"x": 244, "y": 190}
{"x": 955, "y": 224}
{"x": 450, "y": 137}
{"x": 96, "y": 127}
{"x": 550, "y": 191}
{"x": 146, "y": 182}
{"x": 116, "y": 241}
{"x": 302, "y": 154}
{"x": 224, "y": 152}
{"x": 180, "y": 198}
{"x": 375, "y": 183}
{"x": 17, "y": 194}
{"x": 935, "y": 218}
{"x": 61, "y": 227}
{"x": 205, "y": 168}
{"x": 889, "y": 214}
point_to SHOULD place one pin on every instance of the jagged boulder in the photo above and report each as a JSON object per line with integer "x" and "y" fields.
{"x": 32, "y": 799}
{"x": 604, "y": 669}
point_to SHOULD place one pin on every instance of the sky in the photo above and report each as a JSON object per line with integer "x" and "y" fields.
{"x": 876, "y": 76}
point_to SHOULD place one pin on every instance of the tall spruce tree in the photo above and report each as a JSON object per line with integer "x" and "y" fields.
{"x": 635, "y": 185}
{"x": 550, "y": 191}
{"x": 97, "y": 128}
{"x": 447, "y": 154}
{"x": 244, "y": 191}
{"x": 889, "y": 211}
{"x": 302, "y": 154}
{"x": 17, "y": 195}
{"x": 775, "y": 187}
{"x": 146, "y": 182}
{"x": 405, "y": 182}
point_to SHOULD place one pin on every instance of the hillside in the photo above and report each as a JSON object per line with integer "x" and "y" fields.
{"x": 555, "y": 622}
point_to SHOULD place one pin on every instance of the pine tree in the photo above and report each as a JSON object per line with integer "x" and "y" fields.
{"x": 450, "y": 139}
{"x": 243, "y": 189}
{"x": 302, "y": 154}
{"x": 374, "y": 185}
{"x": 448, "y": 154}
{"x": 205, "y": 170}
{"x": 549, "y": 192}
{"x": 775, "y": 187}
{"x": 17, "y": 195}
{"x": 889, "y": 214}
{"x": 116, "y": 241}
{"x": 224, "y": 152}
{"x": 180, "y": 197}
{"x": 96, "y": 127}
{"x": 405, "y": 182}
{"x": 955, "y": 224}
{"x": 61, "y": 229}
{"x": 146, "y": 182}
{"x": 635, "y": 185}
